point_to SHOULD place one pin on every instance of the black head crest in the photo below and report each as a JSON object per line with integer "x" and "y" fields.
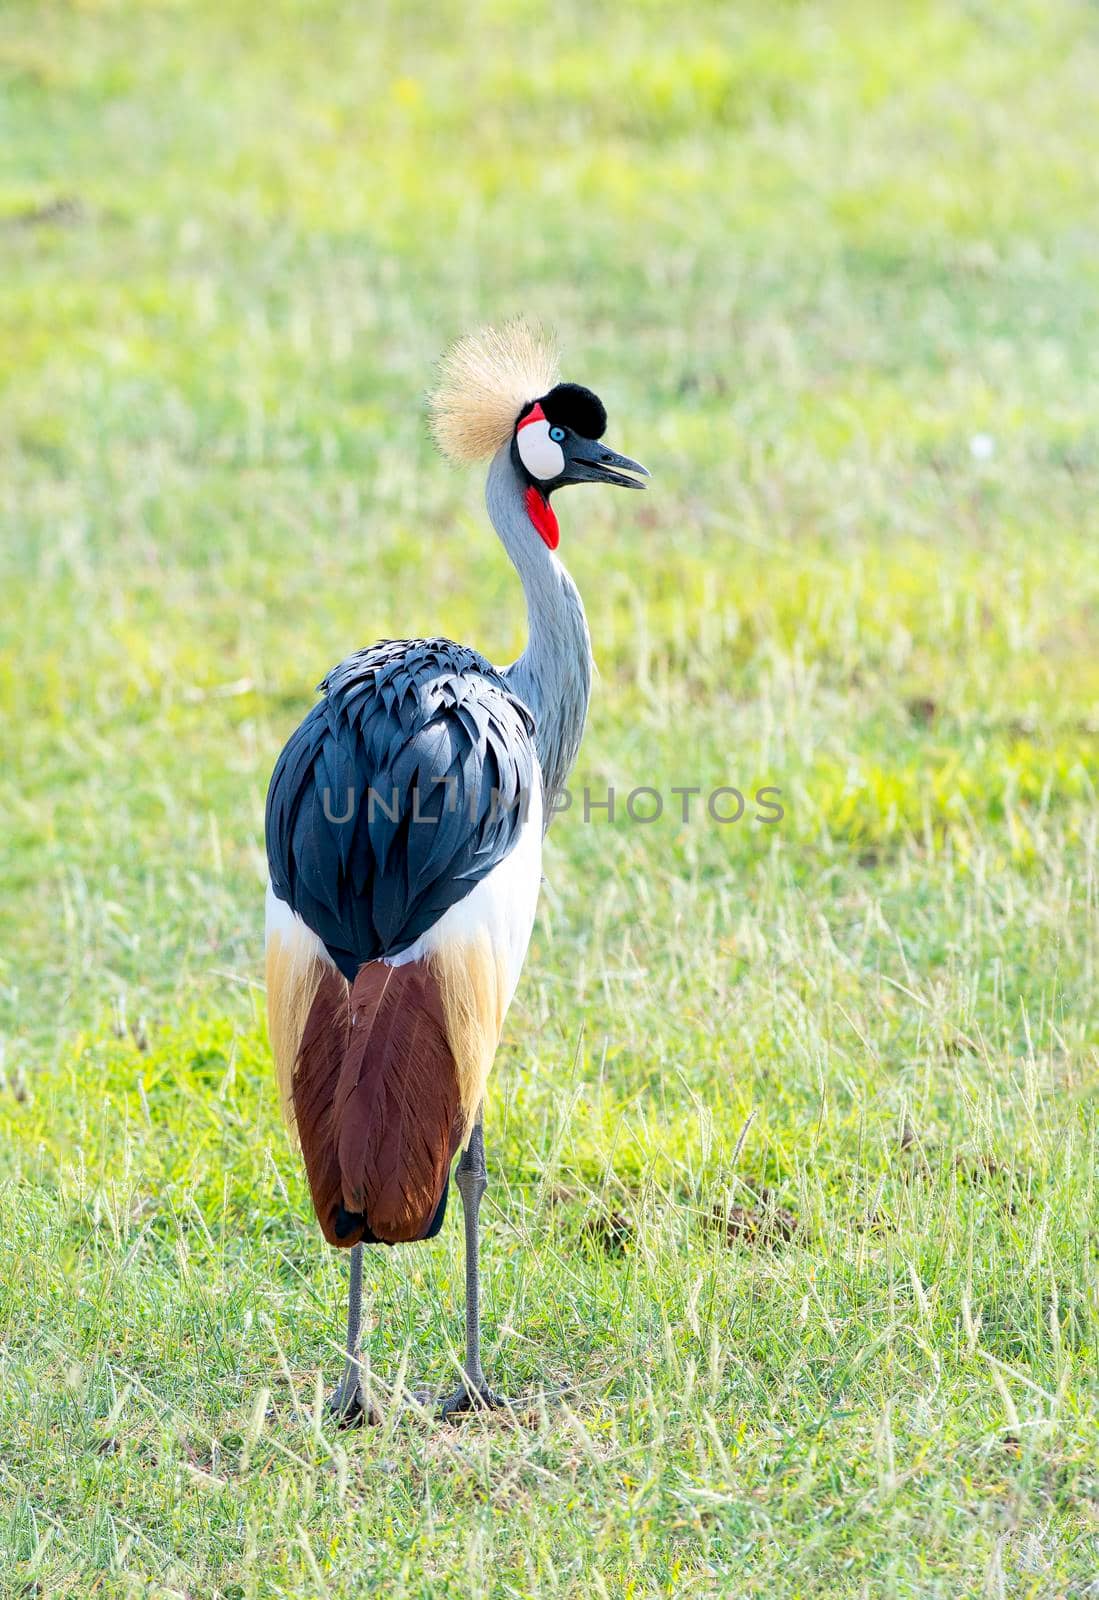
{"x": 570, "y": 405}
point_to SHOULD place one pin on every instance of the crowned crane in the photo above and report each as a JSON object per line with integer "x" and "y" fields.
{"x": 404, "y": 830}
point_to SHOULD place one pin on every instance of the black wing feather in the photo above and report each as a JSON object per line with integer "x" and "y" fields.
{"x": 422, "y": 723}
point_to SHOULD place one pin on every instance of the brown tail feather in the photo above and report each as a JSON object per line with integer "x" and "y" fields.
{"x": 320, "y": 1056}
{"x": 376, "y": 1101}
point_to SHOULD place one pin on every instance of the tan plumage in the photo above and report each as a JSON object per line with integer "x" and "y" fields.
{"x": 475, "y": 991}
{"x": 484, "y": 381}
{"x": 295, "y": 967}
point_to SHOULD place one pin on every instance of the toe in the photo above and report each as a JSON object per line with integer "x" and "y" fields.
{"x": 352, "y": 1410}
{"x": 465, "y": 1400}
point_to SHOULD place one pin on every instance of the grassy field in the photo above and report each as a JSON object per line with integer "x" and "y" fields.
{"x": 834, "y": 269}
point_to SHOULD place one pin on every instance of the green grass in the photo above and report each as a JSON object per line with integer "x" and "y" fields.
{"x": 808, "y": 253}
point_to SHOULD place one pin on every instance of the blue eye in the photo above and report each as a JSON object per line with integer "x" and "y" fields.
{"x": 557, "y": 435}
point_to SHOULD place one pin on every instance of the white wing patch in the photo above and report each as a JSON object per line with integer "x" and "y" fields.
{"x": 283, "y": 923}
{"x": 296, "y": 960}
{"x": 477, "y": 949}
{"x": 502, "y": 905}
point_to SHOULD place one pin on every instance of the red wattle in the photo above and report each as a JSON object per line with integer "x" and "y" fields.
{"x": 542, "y": 515}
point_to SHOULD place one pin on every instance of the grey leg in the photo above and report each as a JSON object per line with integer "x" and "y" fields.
{"x": 349, "y": 1404}
{"x": 471, "y": 1179}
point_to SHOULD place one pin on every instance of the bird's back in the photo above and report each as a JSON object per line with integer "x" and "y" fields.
{"x": 404, "y": 825}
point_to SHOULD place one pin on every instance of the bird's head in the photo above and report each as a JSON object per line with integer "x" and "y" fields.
{"x": 483, "y": 401}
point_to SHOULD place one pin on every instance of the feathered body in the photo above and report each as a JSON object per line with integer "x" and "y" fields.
{"x": 404, "y": 829}
{"x": 396, "y": 929}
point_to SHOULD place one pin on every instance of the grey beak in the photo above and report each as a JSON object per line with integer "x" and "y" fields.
{"x": 588, "y": 461}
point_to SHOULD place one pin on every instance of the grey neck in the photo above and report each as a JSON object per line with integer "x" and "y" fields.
{"x": 553, "y": 675}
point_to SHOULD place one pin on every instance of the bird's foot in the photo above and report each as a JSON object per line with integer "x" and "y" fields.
{"x": 470, "y": 1397}
{"x": 349, "y": 1407}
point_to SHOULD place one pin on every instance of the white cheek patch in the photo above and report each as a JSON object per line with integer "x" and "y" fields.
{"x": 542, "y": 457}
